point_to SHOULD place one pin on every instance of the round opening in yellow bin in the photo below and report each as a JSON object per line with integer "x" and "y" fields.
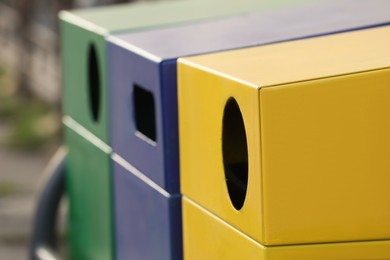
{"x": 235, "y": 153}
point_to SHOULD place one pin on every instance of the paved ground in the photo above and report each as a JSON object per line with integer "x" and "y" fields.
{"x": 20, "y": 177}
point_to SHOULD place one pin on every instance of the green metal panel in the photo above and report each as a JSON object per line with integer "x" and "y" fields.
{"x": 88, "y": 182}
{"x": 75, "y": 50}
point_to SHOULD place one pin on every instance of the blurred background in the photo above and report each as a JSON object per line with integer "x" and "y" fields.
{"x": 30, "y": 112}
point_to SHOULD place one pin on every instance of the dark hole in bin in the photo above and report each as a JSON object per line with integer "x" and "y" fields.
{"x": 94, "y": 87}
{"x": 144, "y": 112}
{"x": 235, "y": 153}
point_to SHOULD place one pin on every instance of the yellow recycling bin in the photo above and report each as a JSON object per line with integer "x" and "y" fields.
{"x": 290, "y": 143}
{"x": 208, "y": 237}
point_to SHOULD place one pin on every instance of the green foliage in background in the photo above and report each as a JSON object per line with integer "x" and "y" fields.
{"x": 26, "y": 119}
{"x": 30, "y": 123}
{"x": 8, "y": 189}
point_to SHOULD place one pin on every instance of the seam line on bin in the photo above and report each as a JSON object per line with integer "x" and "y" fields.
{"x": 79, "y": 129}
{"x": 221, "y": 220}
{"x": 137, "y": 173}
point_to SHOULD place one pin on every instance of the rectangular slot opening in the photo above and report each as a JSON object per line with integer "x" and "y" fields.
{"x": 144, "y": 112}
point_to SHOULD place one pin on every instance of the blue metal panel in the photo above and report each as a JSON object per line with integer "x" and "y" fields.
{"x": 128, "y": 69}
{"x": 148, "y": 222}
{"x": 252, "y": 29}
{"x": 170, "y": 124}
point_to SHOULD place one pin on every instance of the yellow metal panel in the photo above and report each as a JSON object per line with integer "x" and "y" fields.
{"x": 325, "y": 153}
{"x": 317, "y": 152}
{"x": 320, "y": 57}
{"x": 208, "y": 237}
{"x": 367, "y": 250}
{"x": 202, "y": 103}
